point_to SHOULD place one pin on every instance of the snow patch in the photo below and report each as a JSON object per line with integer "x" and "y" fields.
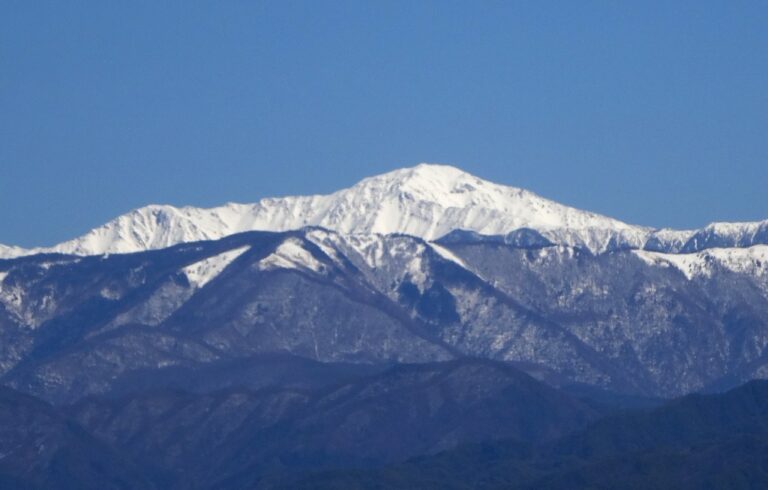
{"x": 752, "y": 260}
{"x": 111, "y": 294}
{"x": 291, "y": 255}
{"x": 369, "y": 247}
{"x": 448, "y": 255}
{"x": 327, "y": 242}
{"x": 201, "y": 273}
{"x": 416, "y": 273}
{"x": 652, "y": 258}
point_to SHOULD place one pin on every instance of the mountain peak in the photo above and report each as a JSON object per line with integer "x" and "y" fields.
{"x": 427, "y": 168}
{"x": 439, "y": 184}
{"x": 427, "y": 201}
{"x": 422, "y": 176}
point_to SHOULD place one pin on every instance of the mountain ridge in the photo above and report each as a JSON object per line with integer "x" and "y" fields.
{"x": 635, "y": 322}
{"x": 428, "y": 201}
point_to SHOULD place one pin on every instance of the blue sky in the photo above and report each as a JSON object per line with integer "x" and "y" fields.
{"x": 655, "y": 113}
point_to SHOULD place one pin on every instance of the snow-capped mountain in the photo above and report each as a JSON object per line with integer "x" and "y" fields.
{"x": 427, "y": 201}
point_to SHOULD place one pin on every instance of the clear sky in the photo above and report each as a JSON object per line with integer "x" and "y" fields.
{"x": 655, "y": 113}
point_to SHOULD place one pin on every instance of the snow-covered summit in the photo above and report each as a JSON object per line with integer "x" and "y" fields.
{"x": 431, "y": 200}
{"x": 426, "y": 201}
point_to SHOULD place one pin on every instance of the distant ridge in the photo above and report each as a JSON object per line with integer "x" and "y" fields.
{"x": 427, "y": 201}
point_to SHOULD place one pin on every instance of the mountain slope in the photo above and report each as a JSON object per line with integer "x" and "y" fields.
{"x": 717, "y": 441}
{"x": 629, "y": 321}
{"x": 41, "y": 449}
{"x": 235, "y": 438}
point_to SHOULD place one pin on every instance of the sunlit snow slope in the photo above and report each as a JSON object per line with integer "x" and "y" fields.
{"x": 426, "y": 201}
